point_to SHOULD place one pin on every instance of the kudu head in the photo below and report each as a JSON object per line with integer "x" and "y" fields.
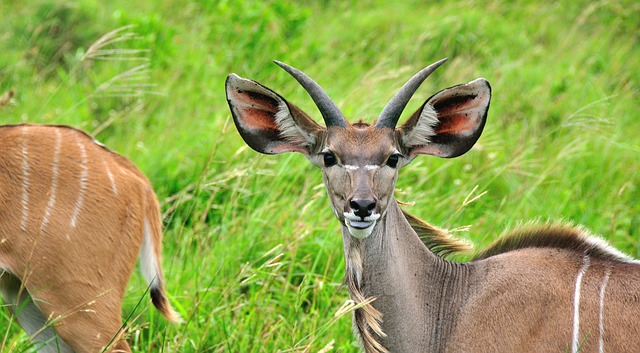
{"x": 360, "y": 162}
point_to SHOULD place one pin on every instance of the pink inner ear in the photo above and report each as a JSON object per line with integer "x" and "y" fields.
{"x": 461, "y": 112}
{"x": 456, "y": 124}
{"x": 257, "y": 119}
{"x": 257, "y": 111}
{"x": 461, "y": 109}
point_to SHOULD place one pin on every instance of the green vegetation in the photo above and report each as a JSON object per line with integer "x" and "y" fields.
{"x": 253, "y": 255}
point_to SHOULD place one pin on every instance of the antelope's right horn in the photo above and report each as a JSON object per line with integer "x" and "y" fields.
{"x": 392, "y": 111}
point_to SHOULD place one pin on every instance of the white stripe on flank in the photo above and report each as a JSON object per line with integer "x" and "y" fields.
{"x": 25, "y": 182}
{"x": 54, "y": 182}
{"x": 83, "y": 183}
{"x": 586, "y": 261}
{"x": 110, "y": 175}
{"x": 601, "y": 317}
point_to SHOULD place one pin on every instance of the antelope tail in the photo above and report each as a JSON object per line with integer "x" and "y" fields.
{"x": 150, "y": 264}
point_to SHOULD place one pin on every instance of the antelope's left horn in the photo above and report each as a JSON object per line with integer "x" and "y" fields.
{"x": 330, "y": 112}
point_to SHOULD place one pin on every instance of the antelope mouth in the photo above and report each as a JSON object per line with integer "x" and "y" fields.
{"x": 358, "y": 227}
{"x": 360, "y": 224}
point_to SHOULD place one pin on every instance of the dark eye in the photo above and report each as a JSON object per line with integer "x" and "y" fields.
{"x": 329, "y": 159}
{"x": 393, "y": 160}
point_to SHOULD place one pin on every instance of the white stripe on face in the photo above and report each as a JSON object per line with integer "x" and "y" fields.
{"x": 366, "y": 167}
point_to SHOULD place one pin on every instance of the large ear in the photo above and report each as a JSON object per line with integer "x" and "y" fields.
{"x": 266, "y": 121}
{"x": 449, "y": 123}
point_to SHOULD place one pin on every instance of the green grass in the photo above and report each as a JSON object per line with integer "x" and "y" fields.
{"x": 252, "y": 252}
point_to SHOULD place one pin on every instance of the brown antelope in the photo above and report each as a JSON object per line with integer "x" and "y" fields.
{"x": 544, "y": 288}
{"x": 73, "y": 218}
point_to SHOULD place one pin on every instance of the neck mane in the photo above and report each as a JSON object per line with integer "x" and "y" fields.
{"x": 553, "y": 235}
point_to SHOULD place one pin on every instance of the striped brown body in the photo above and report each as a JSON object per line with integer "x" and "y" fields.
{"x": 73, "y": 217}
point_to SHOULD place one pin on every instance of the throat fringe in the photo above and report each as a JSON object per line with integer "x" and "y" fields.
{"x": 367, "y": 319}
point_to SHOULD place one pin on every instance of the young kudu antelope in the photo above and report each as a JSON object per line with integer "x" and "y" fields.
{"x": 73, "y": 218}
{"x": 546, "y": 288}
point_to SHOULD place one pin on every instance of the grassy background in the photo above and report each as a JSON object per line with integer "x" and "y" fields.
{"x": 253, "y": 255}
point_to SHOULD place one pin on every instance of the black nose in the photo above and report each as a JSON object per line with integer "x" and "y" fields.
{"x": 362, "y": 207}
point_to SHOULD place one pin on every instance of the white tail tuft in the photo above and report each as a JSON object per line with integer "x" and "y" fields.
{"x": 152, "y": 273}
